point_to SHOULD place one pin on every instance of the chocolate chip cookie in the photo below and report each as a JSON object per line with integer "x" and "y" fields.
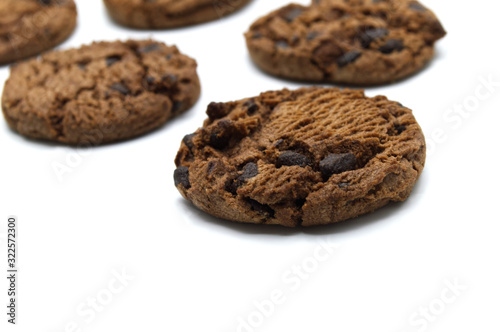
{"x": 29, "y": 27}
{"x": 164, "y": 14}
{"x": 307, "y": 157}
{"x": 359, "y": 42}
{"x": 100, "y": 93}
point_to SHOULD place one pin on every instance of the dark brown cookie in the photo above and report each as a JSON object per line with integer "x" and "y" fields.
{"x": 360, "y": 42}
{"x": 103, "y": 92}
{"x": 307, "y": 157}
{"x": 29, "y": 27}
{"x": 164, "y": 14}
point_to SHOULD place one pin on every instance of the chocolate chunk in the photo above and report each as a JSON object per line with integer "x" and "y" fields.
{"x": 217, "y": 110}
{"x": 290, "y": 158}
{"x": 150, "y": 79}
{"x": 348, "y": 58}
{"x": 45, "y": 2}
{"x": 169, "y": 57}
{"x": 249, "y": 171}
{"x": 188, "y": 140}
{"x": 370, "y": 35}
{"x": 293, "y": 14}
{"x": 251, "y": 106}
{"x": 110, "y": 60}
{"x": 120, "y": 88}
{"x": 222, "y": 134}
{"x": 149, "y": 48}
{"x": 418, "y": 7}
{"x": 282, "y": 44}
{"x": 181, "y": 176}
{"x": 344, "y": 184}
{"x": 262, "y": 209}
{"x": 392, "y": 45}
{"x": 337, "y": 163}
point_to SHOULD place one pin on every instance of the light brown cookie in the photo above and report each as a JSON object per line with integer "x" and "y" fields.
{"x": 29, "y": 27}
{"x": 100, "y": 93}
{"x": 308, "y": 157}
{"x": 359, "y": 42}
{"x": 164, "y": 14}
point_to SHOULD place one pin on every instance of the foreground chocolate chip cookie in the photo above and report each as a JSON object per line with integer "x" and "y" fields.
{"x": 103, "y": 92}
{"x": 361, "y": 42}
{"x": 307, "y": 157}
{"x": 29, "y": 27}
{"x": 162, "y": 14}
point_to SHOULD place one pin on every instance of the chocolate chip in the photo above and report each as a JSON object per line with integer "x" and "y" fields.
{"x": 188, "y": 140}
{"x": 370, "y": 35}
{"x": 170, "y": 79}
{"x": 344, "y": 184}
{"x": 169, "y": 56}
{"x": 82, "y": 65}
{"x": 312, "y": 35}
{"x": 249, "y": 171}
{"x": 257, "y": 35}
{"x": 231, "y": 186}
{"x": 282, "y": 44}
{"x": 293, "y": 14}
{"x": 392, "y": 45}
{"x": 120, "y": 88}
{"x": 290, "y": 158}
{"x": 400, "y": 128}
{"x": 111, "y": 60}
{"x": 177, "y": 106}
{"x": 251, "y": 106}
{"x": 217, "y": 110}
{"x": 337, "y": 163}
{"x": 45, "y": 2}
{"x": 148, "y": 48}
{"x": 222, "y": 133}
{"x": 262, "y": 209}
{"x": 181, "y": 176}
{"x": 418, "y": 7}
{"x": 348, "y": 58}
{"x": 150, "y": 79}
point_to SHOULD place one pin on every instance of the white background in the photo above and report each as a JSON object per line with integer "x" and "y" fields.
{"x": 118, "y": 209}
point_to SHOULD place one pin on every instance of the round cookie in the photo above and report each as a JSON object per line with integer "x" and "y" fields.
{"x": 164, "y": 14}
{"x": 359, "y": 42}
{"x": 307, "y": 157}
{"x": 29, "y": 27}
{"x": 100, "y": 93}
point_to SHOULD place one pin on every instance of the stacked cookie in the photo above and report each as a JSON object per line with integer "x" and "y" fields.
{"x": 307, "y": 157}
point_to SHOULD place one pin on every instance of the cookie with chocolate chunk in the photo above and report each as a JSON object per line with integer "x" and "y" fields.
{"x": 164, "y": 14}
{"x": 307, "y": 157}
{"x": 359, "y": 42}
{"x": 29, "y": 27}
{"x": 103, "y": 92}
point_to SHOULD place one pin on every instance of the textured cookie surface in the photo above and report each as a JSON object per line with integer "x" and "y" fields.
{"x": 103, "y": 92}
{"x": 307, "y": 157}
{"x": 163, "y": 14}
{"x": 29, "y": 27}
{"x": 360, "y": 42}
